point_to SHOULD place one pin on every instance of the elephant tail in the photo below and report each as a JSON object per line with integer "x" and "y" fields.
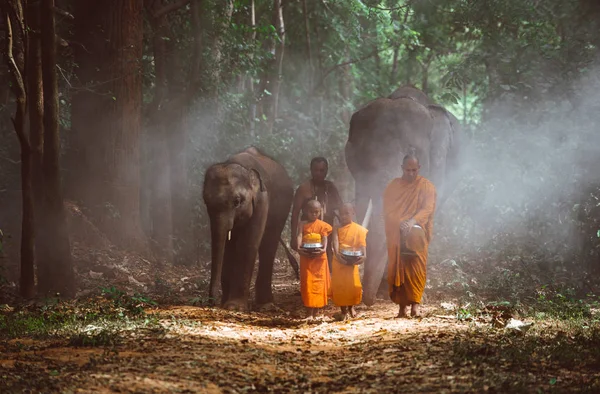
{"x": 291, "y": 259}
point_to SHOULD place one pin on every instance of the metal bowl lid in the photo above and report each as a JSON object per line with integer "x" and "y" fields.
{"x": 312, "y": 246}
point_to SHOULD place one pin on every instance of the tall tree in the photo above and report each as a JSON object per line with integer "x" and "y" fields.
{"x": 270, "y": 84}
{"x": 55, "y": 268}
{"x": 16, "y": 54}
{"x": 106, "y": 116}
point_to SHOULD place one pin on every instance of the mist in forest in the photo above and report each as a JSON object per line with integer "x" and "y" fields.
{"x": 526, "y": 171}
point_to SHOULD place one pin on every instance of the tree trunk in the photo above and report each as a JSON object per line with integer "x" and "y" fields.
{"x": 16, "y": 44}
{"x": 55, "y": 271}
{"x": 161, "y": 225}
{"x": 35, "y": 103}
{"x": 252, "y": 107}
{"x": 106, "y": 115}
{"x": 308, "y": 50}
{"x": 394, "y": 73}
{"x": 272, "y": 100}
{"x": 345, "y": 90}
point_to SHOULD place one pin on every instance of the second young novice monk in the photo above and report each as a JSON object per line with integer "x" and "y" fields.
{"x": 314, "y": 271}
{"x": 346, "y": 288}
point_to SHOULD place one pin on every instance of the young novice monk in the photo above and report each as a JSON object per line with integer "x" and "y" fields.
{"x": 314, "y": 271}
{"x": 345, "y": 279}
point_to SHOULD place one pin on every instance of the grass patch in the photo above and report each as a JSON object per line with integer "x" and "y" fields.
{"x": 98, "y": 321}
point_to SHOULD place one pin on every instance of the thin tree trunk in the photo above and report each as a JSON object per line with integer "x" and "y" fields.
{"x": 252, "y": 108}
{"x": 345, "y": 88}
{"x": 394, "y": 73}
{"x": 106, "y": 115}
{"x": 16, "y": 44}
{"x": 217, "y": 50}
{"x": 308, "y": 48}
{"x": 55, "y": 271}
{"x": 158, "y": 152}
{"x": 277, "y": 69}
{"x": 464, "y": 103}
{"x": 35, "y": 103}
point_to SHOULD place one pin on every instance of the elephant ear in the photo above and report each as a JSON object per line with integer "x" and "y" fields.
{"x": 261, "y": 186}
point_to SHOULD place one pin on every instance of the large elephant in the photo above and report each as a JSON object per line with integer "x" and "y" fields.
{"x": 248, "y": 199}
{"x": 381, "y": 133}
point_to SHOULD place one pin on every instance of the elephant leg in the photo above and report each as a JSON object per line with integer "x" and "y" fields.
{"x": 246, "y": 249}
{"x": 266, "y": 259}
{"x": 376, "y": 264}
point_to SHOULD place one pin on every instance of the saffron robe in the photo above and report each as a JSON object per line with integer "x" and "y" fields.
{"x": 407, "y": 272}
{"x": 315, "y": 280}
{"x": 346, "y": 288}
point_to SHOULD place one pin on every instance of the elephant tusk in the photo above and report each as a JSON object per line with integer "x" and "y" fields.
{"x": 367, "y": 218}
{"x": 229, "y": 235}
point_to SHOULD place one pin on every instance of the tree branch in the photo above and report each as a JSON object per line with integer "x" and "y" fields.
{"x": 19, "y": 86}
{"x": 386, "y": 9}
{"x": 352, "y": 61}
{"x": 170, "y": 8}
{"x": 63, "y": 13}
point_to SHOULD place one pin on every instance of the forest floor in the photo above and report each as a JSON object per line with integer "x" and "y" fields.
{"x": 497, "y": 320}
{"x": 198, "y": 349}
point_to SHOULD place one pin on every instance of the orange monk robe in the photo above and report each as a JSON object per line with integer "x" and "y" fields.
{"x": 345, "y": 279}
{"x": 315, "y": 281}
{"x": 403, "y": 200}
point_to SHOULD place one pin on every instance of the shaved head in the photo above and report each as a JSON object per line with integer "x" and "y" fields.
{"x": 410, "y": 156}
{"x": 410, "y": 167}
{"x": 349, "y": 206}
{"x": 346, "y": 213}
{"x": 313, "y": 204}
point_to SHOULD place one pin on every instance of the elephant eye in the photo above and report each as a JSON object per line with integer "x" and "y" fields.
{"x": 237, "y": 202}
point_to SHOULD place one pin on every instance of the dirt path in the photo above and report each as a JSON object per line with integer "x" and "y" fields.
{"x": 208, "y": 350}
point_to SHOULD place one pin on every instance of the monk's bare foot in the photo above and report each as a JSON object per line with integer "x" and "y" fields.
{"x": 318, "y": 314}
{"x": 414, "y": 310}
{"x": 402, "y": 312}
{"x": 352, "y": 312}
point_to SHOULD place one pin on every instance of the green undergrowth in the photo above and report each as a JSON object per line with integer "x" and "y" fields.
{"x": 548, "y": 350}
{"x": 99, "y": 321}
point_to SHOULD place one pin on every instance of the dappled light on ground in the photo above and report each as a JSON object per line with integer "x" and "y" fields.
{"x": 208, "y": 350}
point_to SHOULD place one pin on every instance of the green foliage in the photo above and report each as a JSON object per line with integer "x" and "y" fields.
{"x": 134, "y": 304}
{"x": 564, "y": 303}
{"x": 91, "y": 321}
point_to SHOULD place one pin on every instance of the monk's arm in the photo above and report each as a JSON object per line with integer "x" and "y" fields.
{"x": 336, "y": 245}
{"x": 300, "y": 250}
{"x": 324, "y": 247}
{"x": 335, "y": 242}
{"x": 427, "y": 207}
{"x": 296, "y": 207}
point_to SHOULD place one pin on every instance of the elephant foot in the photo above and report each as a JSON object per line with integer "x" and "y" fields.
{"x": 267, "y": 307}
{"x": 368, "y": 300}
{"x": 236, "y": 305}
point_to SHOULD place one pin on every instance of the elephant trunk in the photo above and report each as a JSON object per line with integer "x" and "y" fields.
{"x": 219, "y": 227}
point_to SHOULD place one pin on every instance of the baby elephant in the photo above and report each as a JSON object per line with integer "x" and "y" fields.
{"x": 248, "y": 199}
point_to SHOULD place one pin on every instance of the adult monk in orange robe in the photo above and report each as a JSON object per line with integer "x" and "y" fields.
{"x": 315, "y": 280}
{"x": 316, "y": 188}
{"x": 346, "y": 289}
{"x": 408, "y": 208}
